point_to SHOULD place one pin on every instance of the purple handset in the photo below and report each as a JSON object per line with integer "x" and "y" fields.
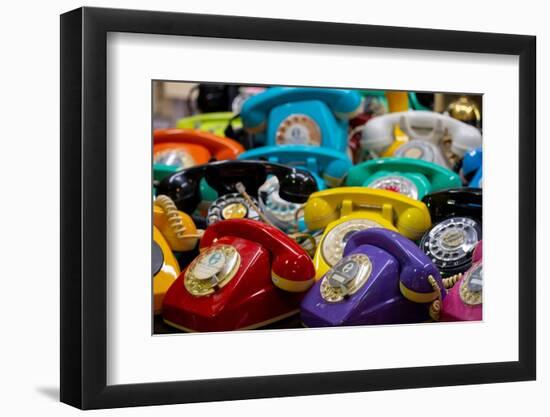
{"x": 381, "y": 279}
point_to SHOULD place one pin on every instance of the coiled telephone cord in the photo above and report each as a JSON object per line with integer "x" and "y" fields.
{"x": 435, "y": 307}
{"x": 174, "y": 220}
{"x": 241, "y": 189}
{"x": 449, "y": 282}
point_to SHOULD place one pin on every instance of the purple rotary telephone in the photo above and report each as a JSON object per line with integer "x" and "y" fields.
{"x": 383, "y": 278}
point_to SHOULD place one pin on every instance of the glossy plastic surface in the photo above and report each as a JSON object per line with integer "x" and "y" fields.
{"x": 472, "y": 167}
{"x": 330, "y": 208}
{"x": 274, "y": 272}
{"x": 453, "y": 307}
{"x": 465, "y": 202}
{"x": 215, "y": 123}
{"x": 198, "y": 146}
{"x": 394, "y": 259}
{"x": 163, "y": 277}
{"x": 184, "y": 186}
{"x": 426, "y": 176}
{"x": 332, "y": 166}
{"x": 325, "y": 109}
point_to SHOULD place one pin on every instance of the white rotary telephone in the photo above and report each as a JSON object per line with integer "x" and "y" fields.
{"x": 432, "y": 136}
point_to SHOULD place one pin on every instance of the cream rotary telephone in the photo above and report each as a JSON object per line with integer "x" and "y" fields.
{"x": 433, "y": 137}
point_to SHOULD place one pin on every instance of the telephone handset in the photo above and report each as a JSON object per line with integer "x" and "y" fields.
{"x": 327, "y": 164}
{"x": 215, "y": 123}
{"x": 457, "y": 217}
{"x": 248, "y": 274}
{"x": 411, "y": 177}
{"x": 224, "y": 177}
{"x": 173, "y": 231}
{"x": 383, "y": 278}
{"x": 433, "y": 137}
{"x": 464, "y": 301}
{"x": 301, "y": 116}
{"x": 472, "y": 167}
{"x": 176, "y": 149}
{"x": 345, "y": 210}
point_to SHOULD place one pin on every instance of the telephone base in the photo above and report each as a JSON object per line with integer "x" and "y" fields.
{"x": 250, "y": 327}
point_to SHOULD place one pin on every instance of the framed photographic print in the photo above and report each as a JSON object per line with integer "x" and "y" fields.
{"x": 258, "y": 208}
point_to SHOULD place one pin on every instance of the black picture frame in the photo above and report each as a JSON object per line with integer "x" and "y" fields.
{"x": 84, "y": 207}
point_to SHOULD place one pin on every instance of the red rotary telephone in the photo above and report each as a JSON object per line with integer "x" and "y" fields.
{"x": 248, "y": 274}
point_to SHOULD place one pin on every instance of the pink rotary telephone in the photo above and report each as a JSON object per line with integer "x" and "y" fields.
{"x": 464, "y": 302}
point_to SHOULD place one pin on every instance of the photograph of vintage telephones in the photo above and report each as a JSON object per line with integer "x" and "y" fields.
{"x": 279, "y": 207}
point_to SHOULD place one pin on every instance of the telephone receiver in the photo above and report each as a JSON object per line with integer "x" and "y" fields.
{"x": 248, "y": 274}
{"x": 173, "y": 231}
{"x": 291, "y": 268}
{"x": 414, "y": 266}
{"x": 426, "y": 126}
{"x": 411, "y": 177}
{"x": 343, "y": 103}
{"x": 464, "y": 301}
{"x": 410, "y": 217}
{"x": 463, "y": 201}
{"x": 184, "y": 186}
{"x": 383, "y": 278}
{"x": 175, "y": 149}
{"x": 328, "y": 164}
{"x": 214, "y": 123}
{"x": 472, "y": 167}
{"x": 457, "y": 217}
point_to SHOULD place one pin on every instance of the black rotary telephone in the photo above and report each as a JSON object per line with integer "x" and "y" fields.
{"x": 237, "y": 184}
{"x": 456, "y": 215}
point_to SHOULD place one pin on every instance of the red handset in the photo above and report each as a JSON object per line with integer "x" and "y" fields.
{"x": 291, "y": 267}
{"x": 248, "y": 274}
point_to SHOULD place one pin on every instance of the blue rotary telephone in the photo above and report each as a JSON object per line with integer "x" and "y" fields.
{"x": 301, "y": 116}
{"x": 329, "y": 167}
{"x": 472, "y": 167}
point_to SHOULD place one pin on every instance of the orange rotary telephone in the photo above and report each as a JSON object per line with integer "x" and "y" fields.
{"x": 176, "y": 149}
{"x": 173, "y": 231}
{"x": 248, "y": 274}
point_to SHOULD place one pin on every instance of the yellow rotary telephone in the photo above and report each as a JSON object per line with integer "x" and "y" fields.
{"x": 345, "y": 210}
{"x": 173, "y": 231}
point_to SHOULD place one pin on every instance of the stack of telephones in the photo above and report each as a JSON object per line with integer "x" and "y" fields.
{"x": 267, "y": 214}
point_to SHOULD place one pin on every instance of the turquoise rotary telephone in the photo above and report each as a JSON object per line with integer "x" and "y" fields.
{"x": 412, "y": 177}
{"x": 329, "y": 167}
{"x": 301, "y": 116}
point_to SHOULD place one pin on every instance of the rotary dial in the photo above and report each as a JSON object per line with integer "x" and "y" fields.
{"x": 346, "y": 277}
{"x": 298, "y": 129}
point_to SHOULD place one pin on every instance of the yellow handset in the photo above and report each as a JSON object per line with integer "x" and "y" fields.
{"x": 173, "y": 230}
{"x": 345, "y": 210}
